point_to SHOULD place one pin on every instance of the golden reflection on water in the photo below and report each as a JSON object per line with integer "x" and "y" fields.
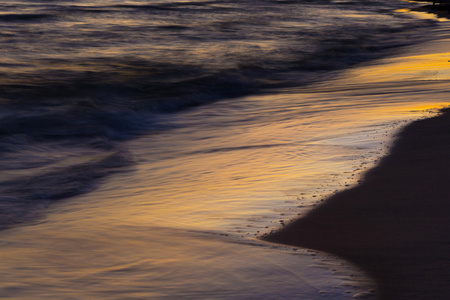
{"x": 232, "y": 169}
{"x": 434, "y": 66}
{"x": 240, "y": 172}
{"x": 171, "y": 227}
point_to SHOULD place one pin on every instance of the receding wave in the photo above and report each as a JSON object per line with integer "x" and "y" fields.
{"x": 24, "y": 197}
{"x": 77, "y": 78}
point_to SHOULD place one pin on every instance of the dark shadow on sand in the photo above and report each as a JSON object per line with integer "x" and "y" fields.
{"x": 441, "y": 10}
{"x": 396, "y": 223}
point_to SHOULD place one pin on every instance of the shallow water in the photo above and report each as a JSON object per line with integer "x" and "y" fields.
{"x": 78, "y": 78}
{"x": 174, "y": 212}
{"x": 181, "y": 222}
{"x": 83, "y": 258}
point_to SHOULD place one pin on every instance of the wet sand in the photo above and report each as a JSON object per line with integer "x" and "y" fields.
{"x": 441, "y": 10}
{"x": 396, "y": 224}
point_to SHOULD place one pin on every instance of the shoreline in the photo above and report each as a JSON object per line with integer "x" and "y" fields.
{"x": 395, "y": 224}
{"x": 441, "y": 11}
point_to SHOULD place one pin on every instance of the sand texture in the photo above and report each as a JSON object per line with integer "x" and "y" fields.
{"x": 396, "y": 224}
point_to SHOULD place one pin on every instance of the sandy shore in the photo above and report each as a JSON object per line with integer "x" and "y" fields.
{"x": 442, "y": 11}
{"x": 396, "y": 224}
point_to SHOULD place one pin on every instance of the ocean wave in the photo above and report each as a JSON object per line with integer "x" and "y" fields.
{"x": 77, "y": 79}
{"x": 25, "y": 197}
{"x": 74, "y": 123}
{"x": 24, "y": 17}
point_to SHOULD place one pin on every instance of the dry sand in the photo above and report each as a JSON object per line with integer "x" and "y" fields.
{"x": 396, "y": 224}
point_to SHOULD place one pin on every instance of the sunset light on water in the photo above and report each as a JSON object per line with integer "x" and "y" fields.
{"x": 147, "y": 146}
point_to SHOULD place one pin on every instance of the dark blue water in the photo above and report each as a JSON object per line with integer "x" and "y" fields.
{"x": 77, "y": 78}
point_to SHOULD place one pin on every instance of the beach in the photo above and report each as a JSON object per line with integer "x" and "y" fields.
{"x": 147, "y": 147}
{"x": 441, "y": 10}
{"x": 395, "y": 223}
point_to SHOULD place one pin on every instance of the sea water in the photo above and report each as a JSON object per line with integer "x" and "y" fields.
{"x": 145, "y": 145}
